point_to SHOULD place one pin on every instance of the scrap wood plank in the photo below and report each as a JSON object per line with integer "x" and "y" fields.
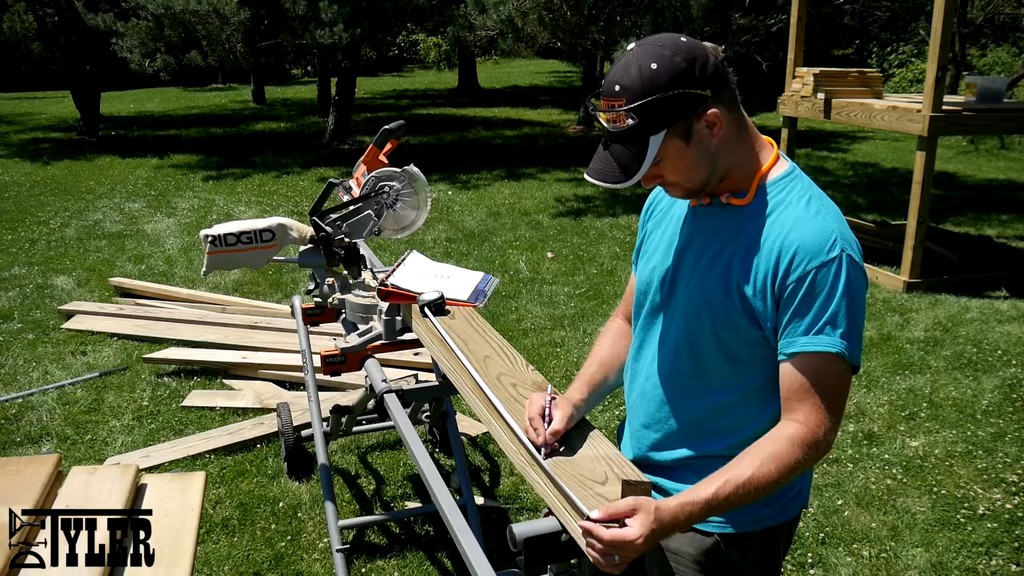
{"x": 195, "y": 317}
{"x": 216, "y": 336}
{"x": 222, "y": 438}
{"x": 255, "y": 394}
{"x": 110, "y": 487}
{"x": 350, "y": 381}
{"x": 163, "y": 292}
{"x": 589, "y": 466}
{"x": 176, "y": 500}
{"x": 219, "y": 308}
{"x": 28, "y": 482}
{"x": 226, "y": 359}
{"x": 234, "y": 399}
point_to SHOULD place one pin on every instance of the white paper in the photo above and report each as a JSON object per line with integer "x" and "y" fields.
{"x": 420, "y": 274}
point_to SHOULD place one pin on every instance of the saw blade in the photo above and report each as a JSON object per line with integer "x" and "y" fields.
{"x": 401, "y": 200}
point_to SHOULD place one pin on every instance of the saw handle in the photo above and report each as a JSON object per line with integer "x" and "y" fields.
{"x": 376, "y": 155}
{"x": 392, "y": 131}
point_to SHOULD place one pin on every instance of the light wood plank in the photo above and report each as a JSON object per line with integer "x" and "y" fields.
{"x": 469, "y": 427}
{"x": 218, "y": 308}
{"x": 27, "y": 482}
{"x": 227, "y": 359}
{"x": 196, "y": 317}
{"x": 589, "y": 466}
{"x": 164, "y": 292}
{"x": 176, "y": 500}
{"x": 214, "y": 336}
{"x": 854, "y": 112}
{"x": 222, "y": 438}
{"x": 247, "y": 400}
{"x": 920, "y": 201}
{"x": 111, "y": 487}
{"x": 350, "y": 381}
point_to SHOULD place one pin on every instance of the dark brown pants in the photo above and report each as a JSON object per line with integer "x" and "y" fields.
{"x": 700, "y": 553}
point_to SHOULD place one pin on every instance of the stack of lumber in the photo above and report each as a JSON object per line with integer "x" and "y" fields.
{"x": 176, "y": 501}
{"x": 253, "y": 343}
{"x": 825, "y": 83}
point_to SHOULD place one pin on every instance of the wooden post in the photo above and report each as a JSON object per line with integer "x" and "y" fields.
{"x": 924, "y": 161}
{"x": 794, "y": 59}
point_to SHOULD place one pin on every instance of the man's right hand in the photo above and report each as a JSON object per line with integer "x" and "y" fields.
{"x": 563, "y": 417}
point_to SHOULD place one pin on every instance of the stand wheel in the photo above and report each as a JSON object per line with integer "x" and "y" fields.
{"x": 298, "y": 462}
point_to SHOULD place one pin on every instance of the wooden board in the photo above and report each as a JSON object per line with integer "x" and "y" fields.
{"x": 176, "y": 500}
{"x": 225, "y": 437}
{"x": 27, "y": 482}
{"x": 469, "y": 427}
{"x": 589, "y": 465}
{"x": 226, "y": 359}
{"x": 218, "y": 308}
{"x": 163, "y": 292}
{"x": 351, "y": 381}
{"x": 248, "y": 400}
{"x": 215, "y": 336}
{"x": 195, "y": 317}
{"x": 111, "y": 487}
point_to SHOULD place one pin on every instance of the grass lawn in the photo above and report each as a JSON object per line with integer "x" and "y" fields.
{"x": 927, "y": 476}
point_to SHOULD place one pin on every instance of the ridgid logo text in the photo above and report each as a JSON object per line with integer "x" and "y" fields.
{"x": 80, "y": 537}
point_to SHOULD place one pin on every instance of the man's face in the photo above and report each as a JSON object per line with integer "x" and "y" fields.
{"x": 685, "y": 170}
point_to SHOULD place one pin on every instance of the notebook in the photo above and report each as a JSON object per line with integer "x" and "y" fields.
{"x": 415, "y": 274}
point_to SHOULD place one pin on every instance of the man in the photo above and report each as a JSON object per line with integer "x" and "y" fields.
{"x": 737, "y": 335}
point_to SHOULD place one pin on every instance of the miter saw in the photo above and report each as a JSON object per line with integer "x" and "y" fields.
{"x": 378, "y": 200}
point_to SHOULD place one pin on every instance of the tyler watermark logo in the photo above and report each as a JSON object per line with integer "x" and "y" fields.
{"x": 74, "y": 538}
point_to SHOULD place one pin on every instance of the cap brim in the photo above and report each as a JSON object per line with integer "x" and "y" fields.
{"x": 621, "y": 164}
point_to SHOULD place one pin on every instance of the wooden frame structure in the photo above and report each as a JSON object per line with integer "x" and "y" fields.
{"x": 928, "y": 116}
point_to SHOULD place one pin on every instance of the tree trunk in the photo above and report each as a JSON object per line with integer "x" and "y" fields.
{"x": 339, "y": 120}
{"x": 258, "y": 89}
{"x": 469, "y": 81}
{"x": 85, "y": 93}
{"x": 958, "y": 55}
{"x": 323, "y": 86}
{"x": 590, "y": 80}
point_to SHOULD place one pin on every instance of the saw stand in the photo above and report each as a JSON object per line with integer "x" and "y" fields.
{"x": 384, "y": 405}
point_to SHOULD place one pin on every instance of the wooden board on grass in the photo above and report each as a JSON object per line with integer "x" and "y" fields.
{"x": 109, "y": 487}
{"x": 287, "y": 362}
{"x": 27, "y": 482}
{"x": 195, "y": 317}
{"x": 214, "y": 336}
{"x": 164, "y": 292}
{"x": 589, "y": 466}
{"x": 176, "y": 500}
{"x": 218, "y": 308}
{"x": 222, "y": 438}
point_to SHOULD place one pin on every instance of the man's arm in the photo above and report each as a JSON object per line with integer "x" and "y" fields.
{"x": 599, "y": 376}
{"x": 814, "y": 388}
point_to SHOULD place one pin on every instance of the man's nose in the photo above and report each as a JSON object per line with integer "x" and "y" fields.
{"x": 650, "y": 179}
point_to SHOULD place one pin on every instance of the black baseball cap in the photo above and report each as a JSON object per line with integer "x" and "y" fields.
{"x": 654, "y": 83}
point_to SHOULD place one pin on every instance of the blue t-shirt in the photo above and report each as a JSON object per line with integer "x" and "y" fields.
{"x": 723, "y": 294}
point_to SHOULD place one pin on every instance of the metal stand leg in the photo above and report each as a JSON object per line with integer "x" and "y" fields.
{"x": 320, "y": 443}
{"x": 470, "y": 549}
{"x": 462, "y": 469}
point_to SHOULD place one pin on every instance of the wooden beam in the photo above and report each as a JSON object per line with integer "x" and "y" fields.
{"x": 794, "y": 59}
{"x": 176, "y": 500}
{"x": 163, "y": 292}
{"x": 589, "y": 466}
{"x": 28, "y": 482}
{"x": 220, "y": 309}
{"x": 885, "y": 278}
{"x": 943, "y": 18}
{"x": 222, "y": 438}
{"x": 215, "y": 336}
{"x": 196, "y": 317}
{"x": 226, "y": 359}
{"x": 350, "y": 381}
{"x": 856, "y": 112}
{"x": 248, "y": 400}
{"x": 920, "y": 199}
{"x": 111, "y": 487}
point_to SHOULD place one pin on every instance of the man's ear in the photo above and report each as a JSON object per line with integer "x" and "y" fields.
{"x": 713, "y": 123}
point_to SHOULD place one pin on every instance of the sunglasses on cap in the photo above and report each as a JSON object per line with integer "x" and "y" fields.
{"x": 616, "y": 118}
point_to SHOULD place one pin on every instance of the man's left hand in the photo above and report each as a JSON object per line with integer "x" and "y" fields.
{"x": 641, "y": 526}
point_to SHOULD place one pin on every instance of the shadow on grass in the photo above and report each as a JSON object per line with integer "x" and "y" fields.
{"x": 408, "y": 534}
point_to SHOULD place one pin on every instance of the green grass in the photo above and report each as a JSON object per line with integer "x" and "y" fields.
{"x": 926, "y": 477}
